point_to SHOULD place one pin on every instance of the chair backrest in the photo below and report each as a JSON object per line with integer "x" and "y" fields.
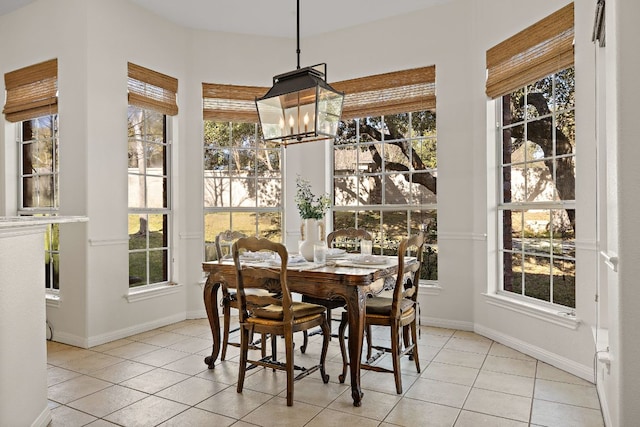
{"x": 407, "y": 284}
{"x": 274, "y": 279}
{"x": 350, "y": 233}
{"x": 226, "y": 238}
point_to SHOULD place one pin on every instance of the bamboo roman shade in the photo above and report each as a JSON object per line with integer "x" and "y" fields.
{"x": 539, "y": 50}
{"x": 231, "y": 103}
{"x": 31, "y": 91}
{"x": 152, "y": 90}
{"x": 389, "y": 93}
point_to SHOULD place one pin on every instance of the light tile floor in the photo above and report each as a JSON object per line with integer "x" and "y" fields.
{"x": 158, "y": 378}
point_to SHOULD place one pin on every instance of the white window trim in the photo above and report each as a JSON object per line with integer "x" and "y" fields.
{"x": 142, "y": 293}
{"x": 565, "y": 318}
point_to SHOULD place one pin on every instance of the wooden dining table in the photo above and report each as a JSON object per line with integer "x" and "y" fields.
{"x": 346, "y": 279}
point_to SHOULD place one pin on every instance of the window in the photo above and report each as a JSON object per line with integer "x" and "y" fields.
{"x": 537, "y": 213}
{"x": 242, "y": 173}
{"x": 38, "y": 184}
{"x": 32, "y": 102}
{"x": 532, "y": 78}
{"x": 151, "y": 100}
{"x": 385, "y": 164}
{"x": 242, "y": 183}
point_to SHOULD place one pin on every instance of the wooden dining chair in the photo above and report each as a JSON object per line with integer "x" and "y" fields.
{"x": 348, "y": 237}
{"x": 399, "y": 313}
{"x": 229, "y": 299}
{"x": 276, "y": 316}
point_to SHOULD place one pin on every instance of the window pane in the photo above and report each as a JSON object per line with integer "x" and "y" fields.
{"x": 269, "y": 193}
{"x": 244, "y": 222}
{"x": 345, "y": 191}
{"x": 398, "y": 189}
{"x": 137, "y": 231}
{"x": 370, "y": 190}
{"x": 423, "y": 188}
{"x": 270, "y": 226}
{"x": 394, "y": 229}
{"x": 514, "y": 183}
{"x": 346, "y": 161}
{"x": 394, "y": 155}
{"x": 217, "y": 192}
{"x": 157, "y": 234}
{"x": 214, "y": 224}
{"x": 137, "y": 268}
{"x": 564, "y": 282}
{"x": 156, "y": 192}
{"x": 155, "y": 158}
{"x": 536, "y": 232}
{"x": 38, "y": 192}
{"x": 563, "y": 233}
{"x": 158, "y": 266}
{"x": 566, "y": 178}
{"x": 344, "y": 220}
{"x": 537, "y": 277}
{"x": 243, "y": 192}
{"x": 425, "y": 149}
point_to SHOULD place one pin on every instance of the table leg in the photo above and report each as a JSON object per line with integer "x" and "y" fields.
{"x": 355, "y": 309}
{"x": 210, "y": 303}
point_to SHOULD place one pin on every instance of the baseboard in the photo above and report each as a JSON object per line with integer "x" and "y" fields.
{"x": 83, "y": 342}
{"x": 604, "y": 404}
{"x": 197, "y": 314}
{"x": 136, "y": 329}
{"x": 43, "y": 419}
{"x": 582, "y": 371}
{"x": 446, "y": 323}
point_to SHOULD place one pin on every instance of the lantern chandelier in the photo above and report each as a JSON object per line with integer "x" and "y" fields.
{"x": 301, "y": 106}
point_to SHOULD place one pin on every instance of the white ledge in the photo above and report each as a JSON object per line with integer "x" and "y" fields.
{"x": 547, "y": 314}
{"x": 52, "y": 299}
{"x": 26, "y": 221}
{"x": 144, "y": 293}
{"x": 430, "y": 288}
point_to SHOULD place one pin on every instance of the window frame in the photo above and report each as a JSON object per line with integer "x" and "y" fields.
{"x": 209, "y": 251}
{"x": 524, "y": 206}
{"x": 51, "y": 249}
{"x": 408, "y": 208}
{"x": 166, "y": 211}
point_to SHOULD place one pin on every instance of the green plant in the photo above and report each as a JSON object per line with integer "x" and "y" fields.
{"x": 310, "y": 206}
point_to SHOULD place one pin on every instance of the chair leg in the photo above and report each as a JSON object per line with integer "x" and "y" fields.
{"x": 263, "y": 345}
{"x": 395, "y": 355}
{"x": 288, "y": 340}
{"x": 303, "y": 348}
{"x": 414, "y": 351}
{"x": 244, "y": 350}
{"x": 345, "y": 361}
{"x": 367, "y": 330}
{"x": 225, "y": 333}
{"x": 326, "y": 336}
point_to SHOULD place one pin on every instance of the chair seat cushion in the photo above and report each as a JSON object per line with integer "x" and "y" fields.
{"x": 300, "y": 309}
{"x": 382, "y": 306}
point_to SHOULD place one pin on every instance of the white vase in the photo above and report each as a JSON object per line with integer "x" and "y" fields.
{"x": 311, "y": 235}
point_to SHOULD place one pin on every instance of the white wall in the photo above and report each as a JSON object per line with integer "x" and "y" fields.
{"x": 95, "y": 40}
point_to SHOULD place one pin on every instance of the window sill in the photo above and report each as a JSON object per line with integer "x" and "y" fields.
{"x": 52, "y": 299}
{"x": 430, "y": 287}
{"x": 154, "y": 291}
{"x": 546, "y": 314}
